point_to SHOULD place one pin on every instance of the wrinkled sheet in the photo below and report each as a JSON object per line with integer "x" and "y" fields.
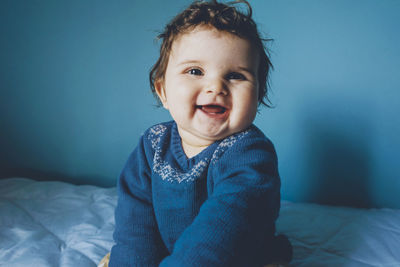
{"x": 59, "y": 224}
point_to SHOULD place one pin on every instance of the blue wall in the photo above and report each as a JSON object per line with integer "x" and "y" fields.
{"x": 74, "y": 93}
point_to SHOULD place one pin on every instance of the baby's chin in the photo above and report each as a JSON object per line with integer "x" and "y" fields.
{"x": 213, "y": 136}
{"x": 204, "y": 134}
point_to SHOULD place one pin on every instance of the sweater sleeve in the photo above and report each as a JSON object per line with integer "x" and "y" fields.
{"x": 137, "y": 239}
{"x": 236, "y": 222}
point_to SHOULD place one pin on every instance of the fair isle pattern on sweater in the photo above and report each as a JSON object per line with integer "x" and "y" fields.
{"x": 227, "y": 143}
{"x": 167, "y": 172}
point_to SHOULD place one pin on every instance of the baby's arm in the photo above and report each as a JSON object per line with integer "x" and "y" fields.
{"x": 238, "y": 218}
{"x": 138, "y": 241}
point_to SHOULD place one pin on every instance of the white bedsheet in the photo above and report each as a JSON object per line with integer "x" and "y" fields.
{"x": 58, "y": 224}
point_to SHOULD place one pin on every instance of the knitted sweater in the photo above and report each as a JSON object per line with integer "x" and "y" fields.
{"x": 216, "y": 209}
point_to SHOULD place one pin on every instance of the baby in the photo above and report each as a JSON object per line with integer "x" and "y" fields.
{"x": 203, "y": 189}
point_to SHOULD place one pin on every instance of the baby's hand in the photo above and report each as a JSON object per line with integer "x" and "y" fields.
{"x": 104, "y": 261}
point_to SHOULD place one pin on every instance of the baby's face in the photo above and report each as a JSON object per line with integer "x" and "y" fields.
{"x": 210, "y": 85}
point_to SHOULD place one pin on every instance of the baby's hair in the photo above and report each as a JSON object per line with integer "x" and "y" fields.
{"x": 223, "y": 17}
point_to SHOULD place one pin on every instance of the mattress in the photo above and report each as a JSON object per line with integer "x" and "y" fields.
{"x": 59, "y": 224}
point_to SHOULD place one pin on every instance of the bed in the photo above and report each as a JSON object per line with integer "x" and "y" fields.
{"x": 59, "y": 224}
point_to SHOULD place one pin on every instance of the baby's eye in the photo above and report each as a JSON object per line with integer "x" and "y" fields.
{"x": 235, "y": 76}
{"x": 195, "y": 71}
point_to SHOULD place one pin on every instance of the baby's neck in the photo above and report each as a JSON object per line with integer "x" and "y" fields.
{"x": 191, "y": 150}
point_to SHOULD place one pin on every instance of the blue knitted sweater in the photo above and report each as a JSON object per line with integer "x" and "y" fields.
{"x": 216, "y": 209}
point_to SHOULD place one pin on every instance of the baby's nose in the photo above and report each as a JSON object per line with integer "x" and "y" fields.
{"x": 217, "y": 86}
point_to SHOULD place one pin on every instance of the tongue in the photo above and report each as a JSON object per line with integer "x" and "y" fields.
{"x": 213, "y": 109}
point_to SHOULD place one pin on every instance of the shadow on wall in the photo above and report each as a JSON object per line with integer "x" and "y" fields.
{"x": 46, "y": 143}
{"x": 40, "y": 175}
{"x": 339, "y": 160}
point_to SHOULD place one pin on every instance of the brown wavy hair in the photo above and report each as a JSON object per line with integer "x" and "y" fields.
{"x": 223, "y": 17}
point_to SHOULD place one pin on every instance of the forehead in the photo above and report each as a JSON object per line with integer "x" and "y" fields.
{"x": 206, "y": 42}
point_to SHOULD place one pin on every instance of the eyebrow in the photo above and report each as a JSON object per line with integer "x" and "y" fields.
{"x": 189, "y": 62}
{"x": 248, "y": 70}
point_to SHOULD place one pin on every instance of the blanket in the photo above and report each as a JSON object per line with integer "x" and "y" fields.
{"x": 59, "y": 224}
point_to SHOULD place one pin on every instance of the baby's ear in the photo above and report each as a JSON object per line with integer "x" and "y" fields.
{"x": 159, "y": 86}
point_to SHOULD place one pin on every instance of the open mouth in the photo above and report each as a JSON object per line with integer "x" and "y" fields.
{"x": 212, "y": 109}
